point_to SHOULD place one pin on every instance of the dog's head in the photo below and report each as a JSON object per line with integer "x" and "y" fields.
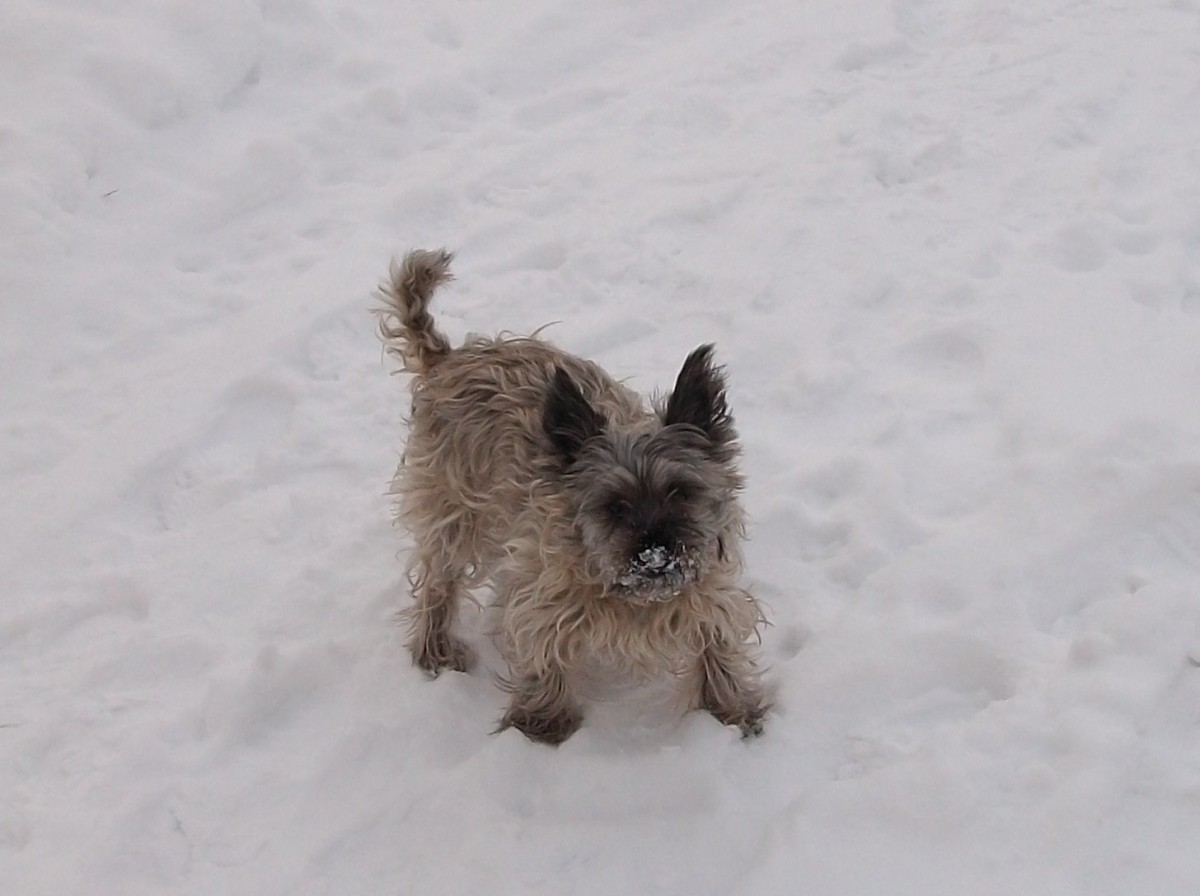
{"x": 654, "y": 505}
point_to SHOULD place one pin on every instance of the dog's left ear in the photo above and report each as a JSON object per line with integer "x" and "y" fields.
{"x": 698, "y": 399}
{"x": 568, "y": 419}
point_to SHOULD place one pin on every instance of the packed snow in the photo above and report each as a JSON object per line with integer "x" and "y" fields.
{"x": 950, "y": 255}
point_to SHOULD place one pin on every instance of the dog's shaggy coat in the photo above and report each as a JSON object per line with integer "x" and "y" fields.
{"x": 609, "y": 532}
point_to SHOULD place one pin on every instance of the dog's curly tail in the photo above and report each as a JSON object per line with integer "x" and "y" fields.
{"x": 405, "y": 324}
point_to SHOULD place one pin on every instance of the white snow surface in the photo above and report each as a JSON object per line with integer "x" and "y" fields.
{"x": 950, "y": 254}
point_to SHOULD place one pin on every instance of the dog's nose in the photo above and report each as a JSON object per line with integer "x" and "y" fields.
{"x": 657, "y": 537}
{"x": 654, "y": 558}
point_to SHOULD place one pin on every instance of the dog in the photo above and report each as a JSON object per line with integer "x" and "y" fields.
{"x": 610, "y": 532}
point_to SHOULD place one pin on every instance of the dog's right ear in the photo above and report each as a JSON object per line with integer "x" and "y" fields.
{"x": 699, "y": 400}
{"x": 568, "y": 419}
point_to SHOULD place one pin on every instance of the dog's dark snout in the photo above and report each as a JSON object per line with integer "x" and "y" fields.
{"x": 656, "y": 564}
{"x": 657, "y": 537}
{"x": 654, "y": 557}
{"x": 653, "y": 551}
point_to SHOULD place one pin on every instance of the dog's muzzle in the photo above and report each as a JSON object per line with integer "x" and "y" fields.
{"x": 655, "y": 574}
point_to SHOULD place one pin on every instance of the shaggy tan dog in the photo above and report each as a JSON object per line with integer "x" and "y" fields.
{"x": 610, "y": 533}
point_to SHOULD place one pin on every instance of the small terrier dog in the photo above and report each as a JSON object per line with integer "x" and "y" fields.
{"x": 609, "y": 532}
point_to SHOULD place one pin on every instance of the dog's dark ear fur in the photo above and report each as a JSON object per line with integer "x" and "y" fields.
{"x": 699, "y": 400}
{"x": 568, "y": 419}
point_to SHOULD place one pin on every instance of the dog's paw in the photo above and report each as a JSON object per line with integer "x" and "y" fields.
{"x": 751, "y": 725}
{"x": 447, "y": 652}
{"x": 747, "y": 719}
{"x": 541, "y": 725}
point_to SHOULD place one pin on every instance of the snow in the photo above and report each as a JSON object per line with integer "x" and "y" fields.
{"x": 948, "y": 251}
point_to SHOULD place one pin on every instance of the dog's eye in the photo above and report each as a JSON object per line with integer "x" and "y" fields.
{"x": 680, "y": 491}
{"x": 616, "y": 508}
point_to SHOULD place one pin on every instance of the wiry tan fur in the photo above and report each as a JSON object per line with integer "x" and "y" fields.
{"x": 489, "y": 501}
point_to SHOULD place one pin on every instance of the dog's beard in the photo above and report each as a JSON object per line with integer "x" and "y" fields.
{"x": 655, "y": 575}
{"x": 650, "y": 575}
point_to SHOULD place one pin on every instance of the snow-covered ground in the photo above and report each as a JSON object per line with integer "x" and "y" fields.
{"x": 950, "y": 253}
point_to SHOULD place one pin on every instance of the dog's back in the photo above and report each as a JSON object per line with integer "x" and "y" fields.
{"x": 476, "y": 446}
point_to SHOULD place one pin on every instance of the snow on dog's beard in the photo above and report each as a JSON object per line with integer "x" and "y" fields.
{"x": 654, "y": 504}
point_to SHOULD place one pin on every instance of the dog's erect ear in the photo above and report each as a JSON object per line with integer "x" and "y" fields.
{"x": 699, "y": 399}
{"x": 568, "y": 419}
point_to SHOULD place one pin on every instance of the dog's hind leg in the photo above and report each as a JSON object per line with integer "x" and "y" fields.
{"x": 433, "y": 647}
{"x": 437, "y": 588}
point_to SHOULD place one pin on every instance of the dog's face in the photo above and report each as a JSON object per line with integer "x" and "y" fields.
{"x": 652, "y": 505}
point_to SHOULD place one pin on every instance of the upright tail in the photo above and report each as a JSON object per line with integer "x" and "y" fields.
{"x": 405, "y": 323}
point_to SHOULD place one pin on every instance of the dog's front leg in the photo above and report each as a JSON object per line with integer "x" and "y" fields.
{"x": 542, "y": 708}
{"x": 730, "y": 689}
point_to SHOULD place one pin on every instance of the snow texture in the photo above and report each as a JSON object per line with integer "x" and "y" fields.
{"x": 950, "y": 254}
